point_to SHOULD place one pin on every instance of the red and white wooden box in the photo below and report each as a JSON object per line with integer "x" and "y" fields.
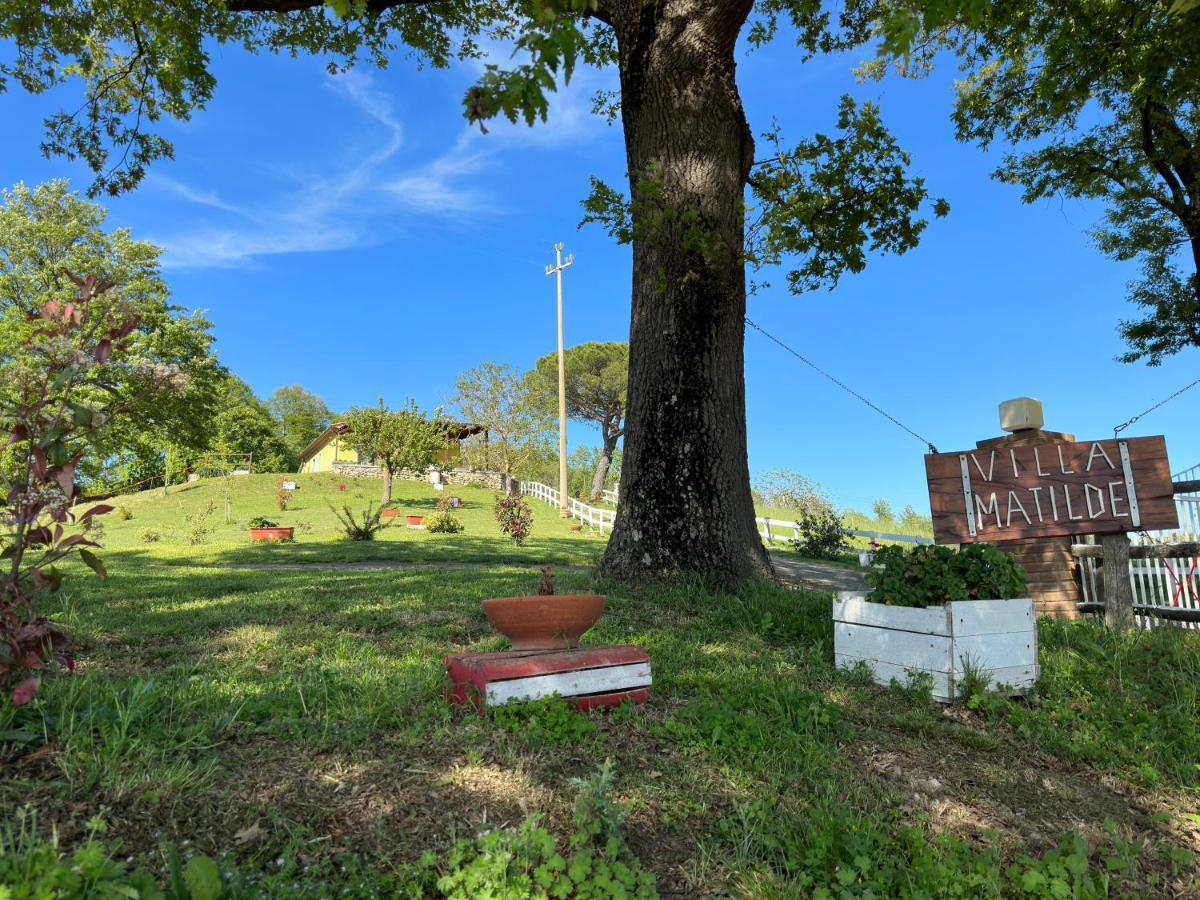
{"x": 588, "y": 676}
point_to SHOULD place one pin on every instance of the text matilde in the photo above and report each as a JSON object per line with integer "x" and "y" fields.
{"x": 1065, "y": 497}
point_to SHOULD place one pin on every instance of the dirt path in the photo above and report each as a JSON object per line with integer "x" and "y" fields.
{"x": 816, "y": 575}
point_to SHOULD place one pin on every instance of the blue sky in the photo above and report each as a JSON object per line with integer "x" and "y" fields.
{"x": 355, "y": 236}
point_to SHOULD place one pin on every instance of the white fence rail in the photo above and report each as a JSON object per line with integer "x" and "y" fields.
{"x": 1167, "y": 583}
{"x": 787, "y": 530}
{"x": 593, "y": 516}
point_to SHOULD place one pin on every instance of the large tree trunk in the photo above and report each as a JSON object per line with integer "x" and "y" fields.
{"x": 685, "y": 504}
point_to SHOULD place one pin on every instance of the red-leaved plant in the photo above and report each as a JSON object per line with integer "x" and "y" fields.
{"x": 64, "y": 346}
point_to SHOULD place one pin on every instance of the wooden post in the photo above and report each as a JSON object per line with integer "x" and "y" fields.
{"x": 1118, "y": 591}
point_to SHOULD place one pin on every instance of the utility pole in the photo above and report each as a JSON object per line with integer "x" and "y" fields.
{"x": 557, "y": 269}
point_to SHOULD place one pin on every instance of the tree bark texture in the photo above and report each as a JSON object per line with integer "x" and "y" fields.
{"x": 685, "y": 503}
{"x": 602, "y": 465}
{"x": 387, "y": 486}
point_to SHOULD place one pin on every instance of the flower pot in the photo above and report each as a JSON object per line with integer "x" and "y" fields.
{"x": 414, "y": 520}
{"x": 866, "y": 558}
{"x": 993, "y": 638}
{"x": 390, "y": 512}
{"x": 455, "y": 502}
{"x": 271, "y": 534}
{"x": 544, "y": 621}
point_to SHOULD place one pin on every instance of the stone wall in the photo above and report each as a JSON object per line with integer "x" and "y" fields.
{"x": 492, "y": 480}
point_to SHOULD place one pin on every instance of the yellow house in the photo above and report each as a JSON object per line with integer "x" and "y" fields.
{"x": 331, "y": 446}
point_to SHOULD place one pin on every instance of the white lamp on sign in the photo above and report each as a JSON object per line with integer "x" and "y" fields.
{"x": 1021, "y": 414}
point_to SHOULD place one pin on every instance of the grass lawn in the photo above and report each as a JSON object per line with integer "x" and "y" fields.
{"x": 291, "y": 724}
{"x": 317, "y": 529}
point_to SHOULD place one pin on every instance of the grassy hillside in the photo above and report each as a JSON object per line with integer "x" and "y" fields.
{"x": 174, "y": 517}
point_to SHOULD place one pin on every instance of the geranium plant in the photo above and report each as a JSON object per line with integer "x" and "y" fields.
{"x": 57, "y": 358}
{"x": 515, "y": 517}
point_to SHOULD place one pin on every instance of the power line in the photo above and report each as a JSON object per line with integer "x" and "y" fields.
{"x": 844, "y": 387}
{"x": 1147, "y": 412}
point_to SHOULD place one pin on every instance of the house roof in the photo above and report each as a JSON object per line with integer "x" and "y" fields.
{"x": 455, "y": 430}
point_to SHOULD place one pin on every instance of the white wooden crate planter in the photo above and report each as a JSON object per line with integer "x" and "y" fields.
{"x": 996, "y": 637}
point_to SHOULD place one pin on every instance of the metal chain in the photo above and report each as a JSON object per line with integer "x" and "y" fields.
{"x": 1129, "y": 422}
{"x": 848, "y": 390}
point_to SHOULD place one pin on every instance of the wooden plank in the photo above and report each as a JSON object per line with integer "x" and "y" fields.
{"x": 1043, "y": 490}
{"x": 1118, "y": 590}
{"x": 852, "y": 607}
{"x": 883, "y": 673}
{"x": 979, "y": 617}
{"x": 990, "y": 651}
{"x": 928, "y": 652}
{"x": 569, "y": 684}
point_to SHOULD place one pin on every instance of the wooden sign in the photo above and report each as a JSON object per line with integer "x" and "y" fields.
{"x": 1007, "y": 493}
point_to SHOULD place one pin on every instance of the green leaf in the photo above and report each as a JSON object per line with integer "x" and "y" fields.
{"x": 93, "y": 562}
{"x": 203, "y": 878}
{"x": 1182, "y": 7}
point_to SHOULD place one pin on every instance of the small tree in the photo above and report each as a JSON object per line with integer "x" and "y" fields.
{"x": 396, "y": 439}
{"x": 64, "y": 343}
{"x": 497, "y": 397}
{"x": 883, "y": 510}
{"x": 597, "y": 379}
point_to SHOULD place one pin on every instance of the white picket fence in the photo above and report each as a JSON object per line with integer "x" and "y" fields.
{"x": 787, "y": 530}
{"x": 1169, "y": 583}
{"x": 594, "y": 517}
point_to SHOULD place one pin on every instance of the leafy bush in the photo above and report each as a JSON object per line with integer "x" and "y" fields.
{"x": 526, "y": 862}
{"x": 282, "y": 499}
{"x": 198, "y": 526}
{"x": 443, "y": 522}
{"x": 150, "y": 535}
{"x": 551, "y": 721}
{"x": 515, "y": 517}
{"x": 58, "y": 356}
{"x": 125, "y": 513}
{"x": 34, "y": 867}
{"x": 882, "y": 510}
{"x": 930, "y": 575}
{"x": 262, "y": 522}
{"x": 823, "y": 534}
{"x": 364, "y": 530}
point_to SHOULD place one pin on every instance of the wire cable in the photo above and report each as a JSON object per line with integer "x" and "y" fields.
{"x": 844, "y": 387}
{"x": 1160, "y": 403}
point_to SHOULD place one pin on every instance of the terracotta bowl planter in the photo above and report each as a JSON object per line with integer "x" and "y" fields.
{"x": 271, "y": 534}
{"x": 415, "y": 520}
{"x": 544, "y": 622}
{"x": 390, "y": 512}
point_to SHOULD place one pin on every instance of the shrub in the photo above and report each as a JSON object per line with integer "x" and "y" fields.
{"x": 526, "y": 861}
{"x": 282, "y": 499}
{"x": 930, "y": 575}
{"x": 823, "y": 534}
{"x": 125, "y": 513}
{"x": 515, "y": 517}
{"x": 262, "y": 522}
{"x": 198, "y": 526}
{"x": 150, "y": 535}
{"x": 443, "y": 522}
{"x": 883, "y": 510}
{"x": 36, "y": 867}
{"x": 364, "y": 530}
{"x": 57, "y": 355}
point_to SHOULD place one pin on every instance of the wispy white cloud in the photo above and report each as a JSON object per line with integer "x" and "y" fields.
{"x": 377, "y": 193}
